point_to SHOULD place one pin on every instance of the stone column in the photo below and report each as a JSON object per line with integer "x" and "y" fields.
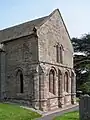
{"x": 62, "y": 91}
{"x": 42, "y": 92}
{"x": 2, "y": 75}
{"x": 69, "y": 84}
{"x": 36, "y": 90}
{"x": 73, "y": 88}
{"x": 59, "y": 88}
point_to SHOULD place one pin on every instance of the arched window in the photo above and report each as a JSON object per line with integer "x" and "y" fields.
{"x": 52, "y": 81}
{"x": 59, "y": 52}
{"x": 20, "y": 81}
{"x": 66, "y": 82}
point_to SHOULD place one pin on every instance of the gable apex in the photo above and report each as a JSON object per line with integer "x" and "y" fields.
{"x": 57, "y": 10}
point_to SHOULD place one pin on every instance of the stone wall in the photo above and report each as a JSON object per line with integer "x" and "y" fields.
{"x": 2, "y": 75}
{"x": 59, "y": 99}
{"x": 21, "y": 54}
{"x": 84, "y": 109}
{"x": 50, "y": 33}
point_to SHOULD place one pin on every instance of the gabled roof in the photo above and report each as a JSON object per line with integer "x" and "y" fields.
{"x": 21, "y": 29}
{"x": 26, "y": 28}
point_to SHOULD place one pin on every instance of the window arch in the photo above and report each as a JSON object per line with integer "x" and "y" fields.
{"x": 66, "y": 82}
{"x": 59, "y": 52}
{"x": 20, "y": 83}
{"x": 52, "y": 81}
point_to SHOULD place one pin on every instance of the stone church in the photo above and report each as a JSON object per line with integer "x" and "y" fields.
{"x": 36, "y": 63}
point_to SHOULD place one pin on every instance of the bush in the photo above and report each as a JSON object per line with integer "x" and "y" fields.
{"x": 85, "y": 87}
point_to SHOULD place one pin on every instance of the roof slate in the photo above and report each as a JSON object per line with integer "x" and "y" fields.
{"x": 21, "y": 29}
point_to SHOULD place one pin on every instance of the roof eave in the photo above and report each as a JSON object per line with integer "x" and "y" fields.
{"x": 17, "y": 37}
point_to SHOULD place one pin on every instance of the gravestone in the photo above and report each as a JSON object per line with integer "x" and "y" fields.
{"x": 84, "y": 108}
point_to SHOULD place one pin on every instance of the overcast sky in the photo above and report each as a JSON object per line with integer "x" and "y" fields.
{"x": 76, "y": 13}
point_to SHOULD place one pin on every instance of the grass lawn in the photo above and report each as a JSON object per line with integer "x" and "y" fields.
{"x": 68, "y": 116}
{"x": 14, "y": 112}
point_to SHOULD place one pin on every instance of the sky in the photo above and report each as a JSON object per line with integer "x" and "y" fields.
{"x": 76, "y": 13}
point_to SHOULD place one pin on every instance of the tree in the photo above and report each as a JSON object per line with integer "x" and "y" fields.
{"x": 85, "y": 87}
{"x": 82, "y": 61}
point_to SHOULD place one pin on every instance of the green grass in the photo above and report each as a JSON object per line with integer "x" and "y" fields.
{"x": 14, "y": 112}
{"x": 68, "y": 116}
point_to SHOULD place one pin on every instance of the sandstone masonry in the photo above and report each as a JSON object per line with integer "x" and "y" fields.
{"x": 36, "y": 63}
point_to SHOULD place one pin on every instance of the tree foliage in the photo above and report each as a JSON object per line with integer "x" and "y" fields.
{"x": 82, "y": 61}
{"x": 85, "y": 87}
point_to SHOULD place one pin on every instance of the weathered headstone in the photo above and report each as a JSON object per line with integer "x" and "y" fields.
{"x": 84, "y": 108}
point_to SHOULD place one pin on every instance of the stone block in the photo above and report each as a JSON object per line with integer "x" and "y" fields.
{"x": 84, "y": 108}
